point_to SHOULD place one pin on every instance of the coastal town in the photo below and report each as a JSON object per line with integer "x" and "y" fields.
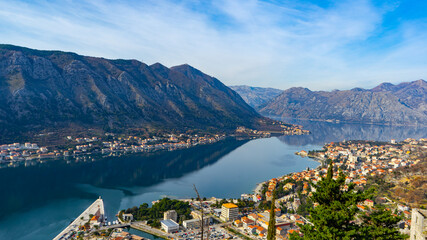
{"x": 111, "y": 144}
{"x": 362, "y": 162}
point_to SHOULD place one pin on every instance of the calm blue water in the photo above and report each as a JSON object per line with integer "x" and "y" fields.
{"x": 143, "y": 234}
{"x": 39, "y": 201}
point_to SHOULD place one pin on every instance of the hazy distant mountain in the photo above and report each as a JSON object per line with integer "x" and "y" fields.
{"x": 53, "y": 89}
{"x": 256, "y": 96}
{"x": 405, "y": 103}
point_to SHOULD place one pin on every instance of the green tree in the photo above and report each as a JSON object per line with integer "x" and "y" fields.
{"x": 144, "y": 212}
{"x": 306, "y": 205}
{"x": 271, "y": 232}
{"x": 380, "y": 224}
{"x": 334, "y": 216}
{"x": 336, "y": 213}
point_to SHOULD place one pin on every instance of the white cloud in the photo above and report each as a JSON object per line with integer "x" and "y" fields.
{"x": 249, "y": 42}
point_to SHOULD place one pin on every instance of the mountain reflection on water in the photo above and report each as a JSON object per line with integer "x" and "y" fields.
{"x": 57, "y": 179}
{"x": 325, "y": 132}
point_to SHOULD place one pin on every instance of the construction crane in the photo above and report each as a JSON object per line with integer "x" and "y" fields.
{"x": 201, "y": 213}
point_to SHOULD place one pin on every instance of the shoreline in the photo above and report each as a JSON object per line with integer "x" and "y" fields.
{"x": 317, "y": 159}
{"x": 258, "y": 186}
{"x": 117, "y": 153}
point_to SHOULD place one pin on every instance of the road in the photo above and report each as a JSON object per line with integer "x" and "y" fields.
{"x": 123, "y": 225}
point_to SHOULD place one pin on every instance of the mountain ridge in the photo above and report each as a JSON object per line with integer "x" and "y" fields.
{"x": 256, "y": 96}
{"x": 404, "y": 103}
{"x": 53, "y": 89}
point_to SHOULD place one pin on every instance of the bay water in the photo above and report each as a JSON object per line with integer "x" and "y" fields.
{"x": 40, "y": 199}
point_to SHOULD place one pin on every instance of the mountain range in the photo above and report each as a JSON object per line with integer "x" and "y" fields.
{"x": 405, "y": 103}
{"x": 256, "y": 96}
{"x": 42, "y": 90}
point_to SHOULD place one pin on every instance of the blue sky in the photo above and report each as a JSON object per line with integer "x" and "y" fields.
{"x": 322, "y": 45}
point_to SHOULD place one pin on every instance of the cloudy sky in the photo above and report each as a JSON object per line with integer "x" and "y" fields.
{"x": 319, "y": 44}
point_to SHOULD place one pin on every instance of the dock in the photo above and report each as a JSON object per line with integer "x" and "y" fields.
{"x": 95, "y": 209}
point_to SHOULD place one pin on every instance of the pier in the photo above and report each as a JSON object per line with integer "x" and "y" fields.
{"x": 95, "y": 210}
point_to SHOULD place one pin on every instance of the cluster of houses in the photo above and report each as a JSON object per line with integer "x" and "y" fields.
{"x": 10, "y": 153}
{"x": 371, "y": 157}
{"x": 361, "y": 159}
{"x": 295, "y": 131}
{"x": 244, "y": 130}
{"x": 18, "y": 151}
{"x": 358, "y": 160}
{"x": 171, "y": 142}
{"x": 256, "y": 224}
{"x": 111, "y": 144}
{"x": 286, "y": 130}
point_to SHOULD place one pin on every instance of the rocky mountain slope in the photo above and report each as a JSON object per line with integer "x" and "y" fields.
{"x": 52, "y": 89}
{"x": 256, "y": 96}
{"x": 405, "y": 103}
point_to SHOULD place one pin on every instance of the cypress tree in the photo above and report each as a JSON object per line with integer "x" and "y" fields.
{"x": 271, "y": 232}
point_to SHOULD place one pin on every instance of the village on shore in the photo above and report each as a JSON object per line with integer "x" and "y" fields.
{"x": 248, "y": 217}
{"x": 111, "y": 144}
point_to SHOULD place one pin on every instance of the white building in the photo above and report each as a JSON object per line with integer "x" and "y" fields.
{"x": 229, "y": 212}
{"x": 352, "y": 158}
{"x": 169, "y": 226}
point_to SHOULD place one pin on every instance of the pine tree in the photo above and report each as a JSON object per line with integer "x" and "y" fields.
{"x": 271, "y": 232}
{"x": 380, "y": 224}
{"x": 335, "y": 215}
